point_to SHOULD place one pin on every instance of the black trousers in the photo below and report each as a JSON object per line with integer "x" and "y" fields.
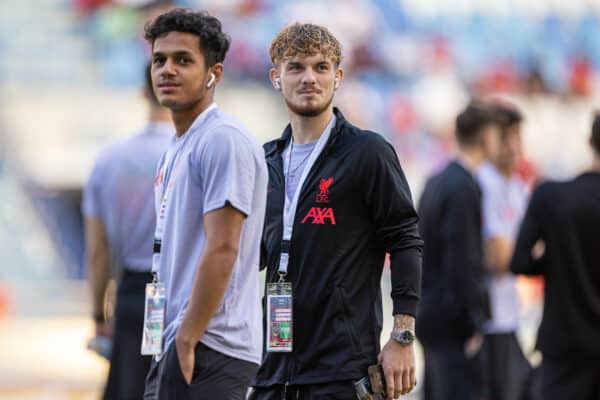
{"x": 343, "y": 390}
{"x": 500, "y": 370}
{"x": 128, "y": 368}
{"x": 215, "y": 376}
{"x": 561, "y": 380}
{"x": 447, "y": 372}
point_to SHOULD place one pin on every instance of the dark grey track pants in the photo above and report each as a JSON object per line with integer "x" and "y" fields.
{"x": 216, "y": 376}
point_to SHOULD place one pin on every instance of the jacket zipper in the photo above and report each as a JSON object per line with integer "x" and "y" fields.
{"x": 277, "y": 164}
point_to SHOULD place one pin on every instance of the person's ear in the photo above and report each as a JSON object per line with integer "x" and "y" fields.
{"x": 339, "y": 77}
{"x": 214, "y": 75}
{"x": 275, "y": 79}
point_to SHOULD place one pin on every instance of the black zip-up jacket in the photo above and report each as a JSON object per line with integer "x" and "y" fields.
{"x": 566, "y": 217}
{"x": 454, "y": 303}
{"x": 354, "y": 206}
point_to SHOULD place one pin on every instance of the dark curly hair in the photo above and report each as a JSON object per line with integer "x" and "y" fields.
{"x": 213, "y": 42}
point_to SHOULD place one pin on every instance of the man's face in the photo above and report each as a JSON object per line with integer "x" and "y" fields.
{"x": 510, "y": 150}
{"x": 307, "y": 83}
{"x": 179, "y": 72}
{"x": 490, "y": 141}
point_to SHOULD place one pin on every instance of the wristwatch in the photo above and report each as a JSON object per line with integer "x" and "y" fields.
{"x": 404, "y": 337}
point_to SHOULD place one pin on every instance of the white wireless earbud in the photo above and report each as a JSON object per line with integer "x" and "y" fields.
{"x": 277, "y": 83}
{"x": 336, "y": 83}
{"x": 211, "y": 80}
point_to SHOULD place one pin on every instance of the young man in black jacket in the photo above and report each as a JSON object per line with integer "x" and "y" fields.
{"x": 337, "y": 202}
{"x": 565, "y": 217}
{"x": 454, "y": 301}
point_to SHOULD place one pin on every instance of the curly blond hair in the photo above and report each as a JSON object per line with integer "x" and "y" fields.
{"x": 304, "y": 40}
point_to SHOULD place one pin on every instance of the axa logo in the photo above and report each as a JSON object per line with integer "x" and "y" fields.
{"x": 324, "y": 184}
{"x": 319, "y": 216}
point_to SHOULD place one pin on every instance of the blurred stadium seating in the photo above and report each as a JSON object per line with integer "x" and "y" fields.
{"x": 70, "y": 73}
{"x": 71, "y": 70}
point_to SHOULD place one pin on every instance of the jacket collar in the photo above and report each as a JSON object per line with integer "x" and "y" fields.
{"x": 287, "y": 134}
{"x": 459, "y": 165}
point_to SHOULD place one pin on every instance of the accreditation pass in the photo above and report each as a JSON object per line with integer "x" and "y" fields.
{"x": 154, "y": 319}
{"x": 279, "y": 326}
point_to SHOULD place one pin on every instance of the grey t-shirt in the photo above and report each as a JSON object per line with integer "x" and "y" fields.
{"x": 295, "y": 164}
{"x": 215, "y": 162}
{"x": 120, "y": 191}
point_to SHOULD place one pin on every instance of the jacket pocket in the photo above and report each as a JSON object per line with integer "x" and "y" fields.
{"x": 347, "y": 323}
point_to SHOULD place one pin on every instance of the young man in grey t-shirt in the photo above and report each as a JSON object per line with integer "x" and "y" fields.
{"x": 210, "y": 193}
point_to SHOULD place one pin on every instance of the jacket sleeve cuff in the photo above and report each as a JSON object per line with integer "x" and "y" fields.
{"x": 406, "y": 280}
{"x": 405, "y": 306}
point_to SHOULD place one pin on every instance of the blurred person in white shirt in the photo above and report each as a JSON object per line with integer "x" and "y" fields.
{"x": 504, "y": 199}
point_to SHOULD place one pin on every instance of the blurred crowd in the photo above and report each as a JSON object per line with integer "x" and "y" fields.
{"x": 388, "y": 43}
{"x": 409, "y": 67}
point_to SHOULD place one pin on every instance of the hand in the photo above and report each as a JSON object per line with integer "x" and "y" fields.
{"x": 103, "y": 329}
{"x": 473, "y": 344}
{"x": 185, "y": 354}
{"x": 398, "y": 364}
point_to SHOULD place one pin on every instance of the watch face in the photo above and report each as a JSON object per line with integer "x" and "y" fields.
{"x": 405, "y": 337}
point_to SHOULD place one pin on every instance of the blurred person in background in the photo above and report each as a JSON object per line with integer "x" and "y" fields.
{"x": 210, "y": 193}
{"x": 119, "y": 228}
{"x": 505, "y": 369}
{"x": 559, "y": 239}
{"x": 454, "y": 304}
{"x": 338, "y": 201}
